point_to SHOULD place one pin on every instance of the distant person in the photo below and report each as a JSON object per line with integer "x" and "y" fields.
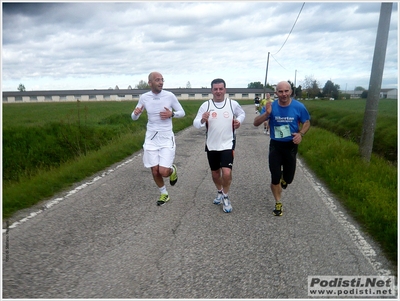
{"x": 266, "y": 123}
{"x": 159, "y": 145}
{"x": 221, "y": 116}
{"x": 285, "y": 117}
{"x": 257, "y": 103}
{"x": 263, "y": 102}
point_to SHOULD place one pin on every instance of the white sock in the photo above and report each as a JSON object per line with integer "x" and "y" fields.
{"x": 163, "y": 190}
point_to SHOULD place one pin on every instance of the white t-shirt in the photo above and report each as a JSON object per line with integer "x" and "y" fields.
{"x": 156, "y": 103}
{"x": 159, "y": 132}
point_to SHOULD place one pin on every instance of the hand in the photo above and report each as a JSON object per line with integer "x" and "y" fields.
{"x": 268, "y": 107}
{"x": 297, "y": 138}
{"x": 236, "y": 124}
{"x": 205, "y": 117}
{"x": 138, "y": 110}
{"x": 166, "y": 114}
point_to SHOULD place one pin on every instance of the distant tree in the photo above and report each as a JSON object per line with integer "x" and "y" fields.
{"x": 116, "y": 87}
{"x": 359, "y": 88}
{"x": 330, "y": 90}
{"x": 21, "y": 88}
{"x": 188, "y": 85}
{"x": 142, "y": 85}
{"x": 337, "y": 92}
{"x": 255, "y": 85}
{"x": 270, "y": 87}
{"x": 129, "y": 87}
{"x": 299, "y": 91}
{"x": 292, "y": 87}
{"x": 308, "y": 82}
{"x": 364, "y": 94}
{"x": 311, "y": 86}
{"x": 296, "y": 92}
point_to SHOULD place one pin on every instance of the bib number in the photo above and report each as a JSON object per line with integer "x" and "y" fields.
{"x": 282, "y": 131}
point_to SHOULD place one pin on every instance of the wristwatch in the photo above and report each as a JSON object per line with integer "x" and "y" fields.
{"x": 173, "y": 114}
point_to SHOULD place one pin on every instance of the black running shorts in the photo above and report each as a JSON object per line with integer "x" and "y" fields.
{"x": 218, "y": 159}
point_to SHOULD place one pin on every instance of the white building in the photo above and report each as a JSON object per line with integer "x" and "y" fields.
{"x": 123, "y": 95}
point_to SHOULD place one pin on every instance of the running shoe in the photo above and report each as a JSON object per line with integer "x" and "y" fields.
{"x": 283, "y": 183}
{"x": 265, "y": 131}
{"x": 164, "y": 197}
{"x": 218, "y": 199}
{"x": 227, "y": 205}
{"x": 278, "y": 211}
{"x": 173, "y": 178}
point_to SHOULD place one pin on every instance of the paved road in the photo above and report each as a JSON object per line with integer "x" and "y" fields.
{"x": 108, "y": 239}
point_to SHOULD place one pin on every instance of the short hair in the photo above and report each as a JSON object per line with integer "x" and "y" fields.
{"x": 218, "y": 81}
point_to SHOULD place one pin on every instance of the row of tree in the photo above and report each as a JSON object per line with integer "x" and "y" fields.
{"x": 310, "y": 88}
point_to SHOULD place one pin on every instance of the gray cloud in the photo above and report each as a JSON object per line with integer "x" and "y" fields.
{"x": 92, "y": 45}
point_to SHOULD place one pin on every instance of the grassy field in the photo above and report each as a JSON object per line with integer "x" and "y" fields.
{"x": 345, "y": 119}
{"x": 47, "y": 147}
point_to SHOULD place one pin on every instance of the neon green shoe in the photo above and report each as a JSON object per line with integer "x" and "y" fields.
{"x": 278, "y": 211}
{"x": 163, "y": 199}
{"x": 173, "y": 178}
{"x": 283, "y": 184}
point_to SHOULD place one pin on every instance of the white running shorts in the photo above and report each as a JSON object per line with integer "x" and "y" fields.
{"x": 159, "y": 149}
{"x": 164, "y": 157}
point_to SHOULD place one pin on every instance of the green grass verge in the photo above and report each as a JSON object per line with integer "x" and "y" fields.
{"x": 345, "y": 119}
{"x": 49, "y": 181}
{"x": 367, "y": 190}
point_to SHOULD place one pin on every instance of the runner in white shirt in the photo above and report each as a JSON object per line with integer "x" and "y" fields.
{"x": 221, "y": 116}
{"x": 159, "y": 145}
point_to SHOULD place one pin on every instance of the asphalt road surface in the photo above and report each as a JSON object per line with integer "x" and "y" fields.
{"x": 106, "y": 238}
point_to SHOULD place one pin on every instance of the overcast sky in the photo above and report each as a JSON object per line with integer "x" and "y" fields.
{"x": 98, "y": 45}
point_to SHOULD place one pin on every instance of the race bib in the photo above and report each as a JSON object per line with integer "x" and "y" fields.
{"x": 282, "y": 131}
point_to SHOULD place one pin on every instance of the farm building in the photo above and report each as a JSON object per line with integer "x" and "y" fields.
{"x": 388, "y": 93}
{"x": 123, "y": 94}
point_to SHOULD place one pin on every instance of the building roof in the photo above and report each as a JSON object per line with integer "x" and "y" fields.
{"x": 387, "y": 90}
{"x": 128, "y": 91}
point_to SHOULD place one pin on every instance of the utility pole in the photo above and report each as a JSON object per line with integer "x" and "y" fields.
{"x": 295, "y": 75}
{"x": 266, "y": 74}
{"x": 378, "y": 62}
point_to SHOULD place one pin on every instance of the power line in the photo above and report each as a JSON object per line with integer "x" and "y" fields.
{"x": 278, "y": 62}
{"x": 292, "y": 27}
{"x": 266, "y": 70}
